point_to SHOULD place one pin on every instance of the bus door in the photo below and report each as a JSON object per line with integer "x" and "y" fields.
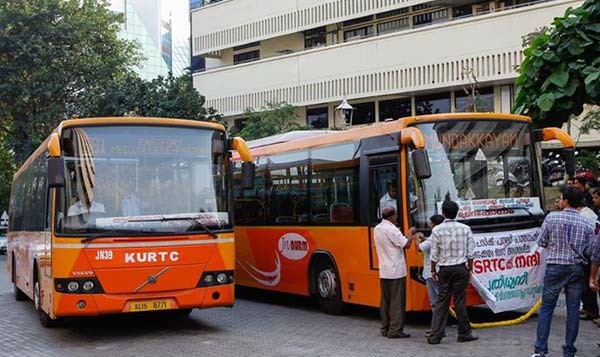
{"x": 383, "y": 192}
{"x": 46, "y": 262}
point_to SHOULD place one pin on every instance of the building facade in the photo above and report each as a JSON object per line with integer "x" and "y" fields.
{"x": 388, "y": 58}
{"x": 162, "y": 30}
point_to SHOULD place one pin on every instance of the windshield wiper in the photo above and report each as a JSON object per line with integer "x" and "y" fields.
{"x": 120, "y": 233}
{"x": 195, "y": 223}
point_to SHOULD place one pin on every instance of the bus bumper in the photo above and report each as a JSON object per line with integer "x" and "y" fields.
{"x": 101, "y": 304}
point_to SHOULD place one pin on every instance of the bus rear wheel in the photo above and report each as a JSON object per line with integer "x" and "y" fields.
{"x": 18, "y": 293}
{"x": 45, "y": 319}
{"x": 328, "y": 290}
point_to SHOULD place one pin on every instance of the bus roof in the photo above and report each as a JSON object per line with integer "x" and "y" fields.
{"x": 338, "y": 137}
{"x": 116, "y": 121}
{"x": 285, "y": 137}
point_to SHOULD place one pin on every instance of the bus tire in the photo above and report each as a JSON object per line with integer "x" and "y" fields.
{"x": 18, "y": 293}
{"x": 328, "y": 289}
{"x": 45, "y": 319}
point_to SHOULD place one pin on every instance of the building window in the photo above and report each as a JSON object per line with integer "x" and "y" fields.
{"x": 483, "y": 102}
{"x": 358, "y": 33}
{"x": 317, "y": 118}
{"x": 315, "y": 37}
{"x": 394, "y": 25}
{"x": 198, "y": 64}
{"x": 462, "y": 11}
{"x": 392, "y": 13}
{"x": 248, "y": 45}
{"x": 360, "y": 20}
{"x": 246, "y": 57}
{"x": 364, "y": 113}
{"x": 422, "y": 19}
{"x": 433, "y": 104}
{"x": 394, "y": 109}
{"x": 439, "y": 16}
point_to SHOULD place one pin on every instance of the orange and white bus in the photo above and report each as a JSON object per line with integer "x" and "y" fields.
{"x": 307, "y": 226}
{"x": 114, "y": 215}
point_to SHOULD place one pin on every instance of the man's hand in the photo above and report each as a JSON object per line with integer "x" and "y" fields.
{"x": 594, "y": 284}
{"x": 434, "y": 275}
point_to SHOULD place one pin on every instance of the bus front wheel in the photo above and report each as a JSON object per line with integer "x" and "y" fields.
{"x": 328, "y": 290}
{"x": 45, "y": 319}
{"x": 18, "y": 293}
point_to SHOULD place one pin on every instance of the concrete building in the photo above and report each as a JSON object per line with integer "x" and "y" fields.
{"x": 162, "y": 29}
{"x": 388, "y": 58}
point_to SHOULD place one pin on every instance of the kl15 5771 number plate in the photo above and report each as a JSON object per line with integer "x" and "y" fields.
{"x": 150, "y": 305}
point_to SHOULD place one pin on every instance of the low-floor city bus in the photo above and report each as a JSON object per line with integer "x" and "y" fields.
{"x": 115, "y": 215}
{"x": 307, "y": 225}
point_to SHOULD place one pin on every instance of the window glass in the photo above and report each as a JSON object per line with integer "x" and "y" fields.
{"x": 358, "y": 33}
{"x": 394, "y": 109}
{"x": 251, "y": 204}
{"x": 364, "y": 113}
{"x": 246, "y": 57}
{"x": 383, "y": 186}
{"x": 483, "y": 102}
{"x": 287, "y": 188}
{"x": 432, "y": 104}
{"x": 143, "y": 179}
{"x": 334, "y": 185}
{"x": 317, "y": 118}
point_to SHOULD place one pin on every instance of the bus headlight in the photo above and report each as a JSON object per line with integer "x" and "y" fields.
{"x": 209, "y": 279}
{"x": 88, "y": 285}
{"x": 73, "y": 286}
{"x": 221, "y": 278}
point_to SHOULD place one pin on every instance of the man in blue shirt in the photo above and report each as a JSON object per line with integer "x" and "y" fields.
{"x": 567, "y": 237}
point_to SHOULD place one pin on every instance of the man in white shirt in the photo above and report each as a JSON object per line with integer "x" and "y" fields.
{"x": 390, "y": 244}
{"x": 390, "y": 197}
{"x": 452, "y": 248}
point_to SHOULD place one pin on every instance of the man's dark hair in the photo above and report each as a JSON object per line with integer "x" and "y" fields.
{"x": 391, "y": 183}
{"x": 388, "y": 212}
{"x": 572, "y": 195}
{"x": 450, "y": 209}
{"x": 596, "y": 192}
{"x": 436, "y": 219}
{"x": 582, "y": 180}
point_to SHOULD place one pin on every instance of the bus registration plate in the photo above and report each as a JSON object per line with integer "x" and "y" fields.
{"x": 150, "y": 305}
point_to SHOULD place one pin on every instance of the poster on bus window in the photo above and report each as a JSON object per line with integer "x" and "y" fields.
{"x": 508, "y": 269}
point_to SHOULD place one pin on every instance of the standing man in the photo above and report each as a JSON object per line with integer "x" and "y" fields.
{"x": 452, "y": 248}
{"x": 567, "y": 237}
{"x": 390, "y": 244}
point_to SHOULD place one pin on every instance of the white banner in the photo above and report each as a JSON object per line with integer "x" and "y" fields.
{"x": 508, "y": 269}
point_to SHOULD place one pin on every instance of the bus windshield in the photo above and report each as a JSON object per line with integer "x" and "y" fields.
{"x": 142, "y": 179}
{"x": 484, "y": 165}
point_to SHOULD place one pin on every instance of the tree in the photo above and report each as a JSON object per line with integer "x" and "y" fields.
{"x": 164, "y": 97}
{"x": 561, "y": 69}
{"x": 6, "y": 173}
{"x": 274, "y": 118}
{"x": 52, "y": 53}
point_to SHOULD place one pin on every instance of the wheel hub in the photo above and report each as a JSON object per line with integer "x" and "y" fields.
{"x": 326, "y": 283}
{"x": 36, "y": 295}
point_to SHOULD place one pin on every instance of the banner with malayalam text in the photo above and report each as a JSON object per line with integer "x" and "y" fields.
{"x": 508, "y": 269}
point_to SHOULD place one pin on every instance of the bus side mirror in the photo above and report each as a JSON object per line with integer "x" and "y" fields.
{"x": 421, "y": 164}
{"x": 56, "y": 172}
{"x": 248, "y": 172}
{"x": 569, "y": 155}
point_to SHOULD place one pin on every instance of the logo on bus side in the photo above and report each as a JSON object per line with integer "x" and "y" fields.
{"x": 293, "y": 246}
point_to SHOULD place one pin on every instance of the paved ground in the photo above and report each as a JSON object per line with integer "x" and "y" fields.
{"x": 259, "y": 325}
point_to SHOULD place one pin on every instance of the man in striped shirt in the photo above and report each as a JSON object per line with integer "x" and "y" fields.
{"x": 452, "y": 249}
{"x": 567, "y": 237}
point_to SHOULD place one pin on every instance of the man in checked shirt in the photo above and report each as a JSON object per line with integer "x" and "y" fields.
{"x": 567, "y": 237}
{"x": 452, "y": 248}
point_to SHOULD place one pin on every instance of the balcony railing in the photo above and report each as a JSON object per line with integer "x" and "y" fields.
{"x": 403, "y": 29}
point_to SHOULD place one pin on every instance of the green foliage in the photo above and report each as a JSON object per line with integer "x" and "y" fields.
{"x": 561, "y": 68}
{"x": 274, "y": 118}
{"x": 52, "y": 53}
{"x": 6, "y": 174}
{"x": 163, "y": 97}
{"x": 589, "y": 160}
